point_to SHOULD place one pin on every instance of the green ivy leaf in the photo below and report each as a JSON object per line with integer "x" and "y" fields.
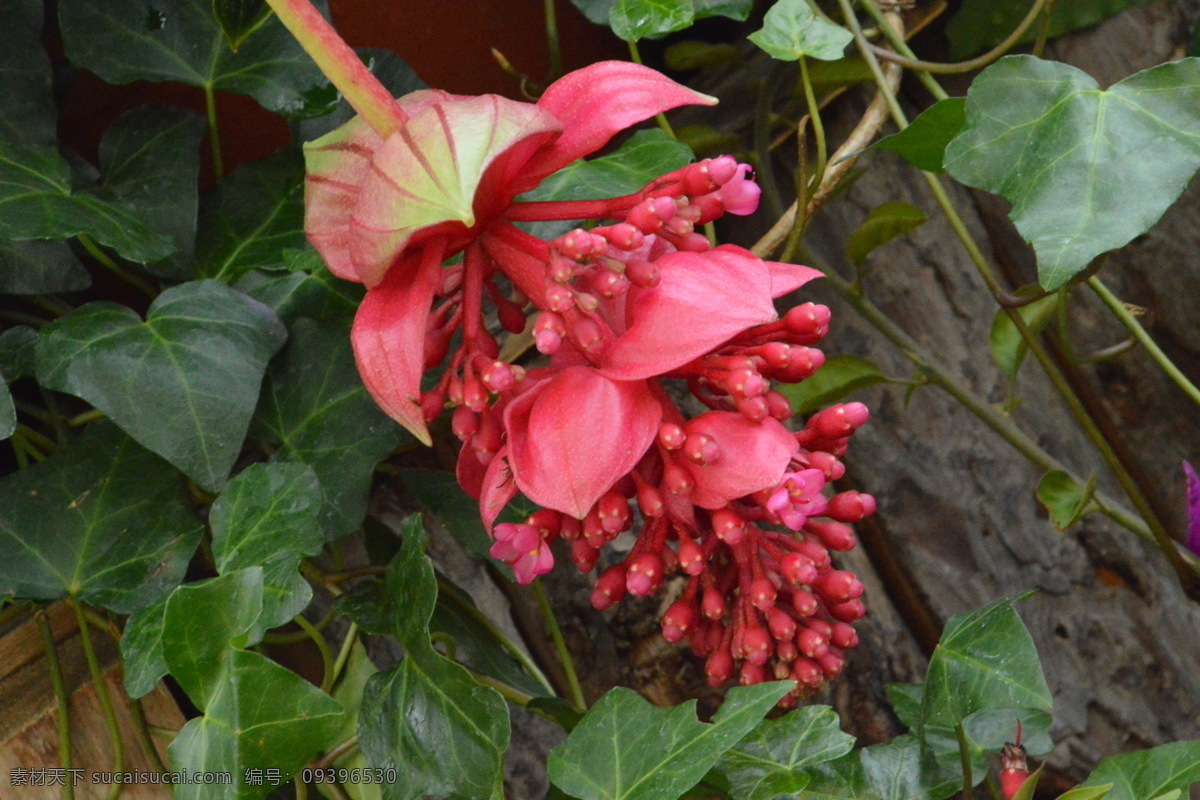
{"x": 923, "y": 142}
{"x": 791, "y": 30}
{"x": 443, "y": 732}
{"x": 1086, "y": 170}
{"x": 884, "y": 223}
{"x": 1029, "y": 786}
{"x": 142, "y": 658}
{"x": 251, "y": 217}
{"x": 1008, "y": 348}
{"x": 40, "y": 268}
{"x": 989, "y": 729}
{"x": 150, "y": 160}
{"x": 37, "y": 202}
{"x": 349, "y": 692}
{"x": 302, "y": 287}
{"x": 636, "y": 19}
{"x": 1066, "y": 500}
{"x": 892, "y": 771}
{"x": 268, "y": 516}
{"x": 982, "y": 24}
{"x": 124, "y": 41}
{"x": 905, "y": 699}
{"x": 17, "y": 352}
{"x": 985, "y": 660}
{"x": 27, "y": 112}
{"x": 770, "y": 759}
{"x": 100, "y": 521}
{"x": 439, "y": 492}
{"x": 479, "y": 647}
{"x": 838, "y": 377}
{"x": 239, "y": 18}
{"x": 624, "y": 748}
{"x": 184, "y": 383}
{"x": 1149, "y": 773}
{"x": 315, "y": 410}
{"x": 206, "y": 625}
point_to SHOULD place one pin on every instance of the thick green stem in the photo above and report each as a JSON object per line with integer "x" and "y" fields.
{"x": 318, "y": 639}
{"x": 560, "y": 644}
{"x": 343, "y": 656}
{"x": 1135, "y": 328}
{"x": 552, "y": 39}
{"x": 341, "y": 65}
{"x": 110, "y": 718}
{"x": 102, "y": 258}
{"x": 964, "y": 754}
{"x": 635, "y": 56}
{"x": 61, "y": 696}
{"x": 962, "y": 66}
{"x": 214, "y": 133}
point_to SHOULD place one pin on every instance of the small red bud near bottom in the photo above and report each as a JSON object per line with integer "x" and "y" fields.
{"x": 762, "y": 594}
{"x": 691, "y": 558}
{"x": 757, "y": 645}
{"x": 752, "y": 673}
{"x": 712, "y": 604}
{"x": 719, "y": 667}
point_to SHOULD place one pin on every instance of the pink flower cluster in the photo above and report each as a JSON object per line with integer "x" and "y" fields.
{"x": 630, "y": 314}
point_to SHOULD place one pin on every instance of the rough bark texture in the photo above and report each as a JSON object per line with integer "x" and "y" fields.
{"x": 958, "y": 525}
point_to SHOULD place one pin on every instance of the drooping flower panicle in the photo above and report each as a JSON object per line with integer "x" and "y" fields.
{"x": 421, "y": 204}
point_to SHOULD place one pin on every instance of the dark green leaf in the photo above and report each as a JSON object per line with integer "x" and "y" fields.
{"x": 838, "y": 377}
{"x": 36, "y": 202}
{"x": 791, "y": 30}
{"x": 477, "y": 642}
{"x": 989, "y": 729}
{"x": 391, "y": 70}
{"x": 268, "y": 516}
{"x": 906, "y": 701}
{"x": 251, "y": 217}
{"x": 27, "y": 113}
{"x": 733, "y": 9}
{"x": 100, "y": 521}
{"x": 986, "y": 659}
{"x": 302, "y": 288}
{"x": 8, "y": 413}
{"x": 892, "y": 771}
{"x": 597, "y": 11}
{"x": 366, "y": 604}
{"x": 636, "y": 19}
{"x": 124, "y": 41}
{"x": 257, "y": 715}
{"x": 17, "y": 352}
{"x": 1086, "y": 170}
{"x": 150, "y": 160}
{"x": 141, "y": 648}
{"x": 1066, "y": 500}
{"x": 40, "y": 268}
{"x": 1149, "y": 773}
{"x": 647, "y": 154}
{"x": 982, "y": 24}
{"x": 444, "y": 733}
{"x": 439, "y": 492}
{"x": 923, "y": 142}
{"x": 315, "y": 409}
{"x": 770, "y": 759}
{"x": 184, "y": 383}
{"x": 883, "y": 223}
{"x": 239, "y": 18}
{"x": 625, "y": 748}
{"x": 1008, "y": 348}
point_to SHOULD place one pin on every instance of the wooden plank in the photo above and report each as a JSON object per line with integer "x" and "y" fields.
{"x": 29, "y": 747}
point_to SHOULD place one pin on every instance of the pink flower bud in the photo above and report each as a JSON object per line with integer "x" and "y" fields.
{"x": 850, "y": 506}
{"x": 807, "y": 672}
{"x": 584, "y": 556}
{"x": 610, "y": 587}
{"x": 691, "y": 557}
{"x": 812, "y": 643}
{"x": 834, "y": 535}
{"x": 757, "y": 645}
{"x": 838, "y": 586}
{"x": 645, "y": 575}
{"x": 843, "y": 636}
{"x": 719, "y": 667}
{"x": 728, "y": 526}
{"x": 752, "y": 672}
{"x": 762, "y": 594}
{"x": 642, "y": 274}
{"x": 849, "y": 611}
{"x": 614, "y": 513}
{"x": 804, "y": 603}
{"x": 723, "y": 169}
{"x": 464, "y": 423}
{"x": 650, "y": 501}
{"x": 679, "y": 621}
{"x": 781, "y": 624}
{"x": 712, "y": 605}
{"x": 797, "y": 569}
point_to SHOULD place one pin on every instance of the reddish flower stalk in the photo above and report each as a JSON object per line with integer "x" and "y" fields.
{"x": 593, "y": 436}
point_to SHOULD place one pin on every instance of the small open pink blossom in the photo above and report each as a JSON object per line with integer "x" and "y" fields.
{"x": 798, "y": 498}
{"x": 522, "y": 548}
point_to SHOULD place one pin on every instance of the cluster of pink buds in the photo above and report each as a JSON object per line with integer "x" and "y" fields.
{"x": 639, "y": 300}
